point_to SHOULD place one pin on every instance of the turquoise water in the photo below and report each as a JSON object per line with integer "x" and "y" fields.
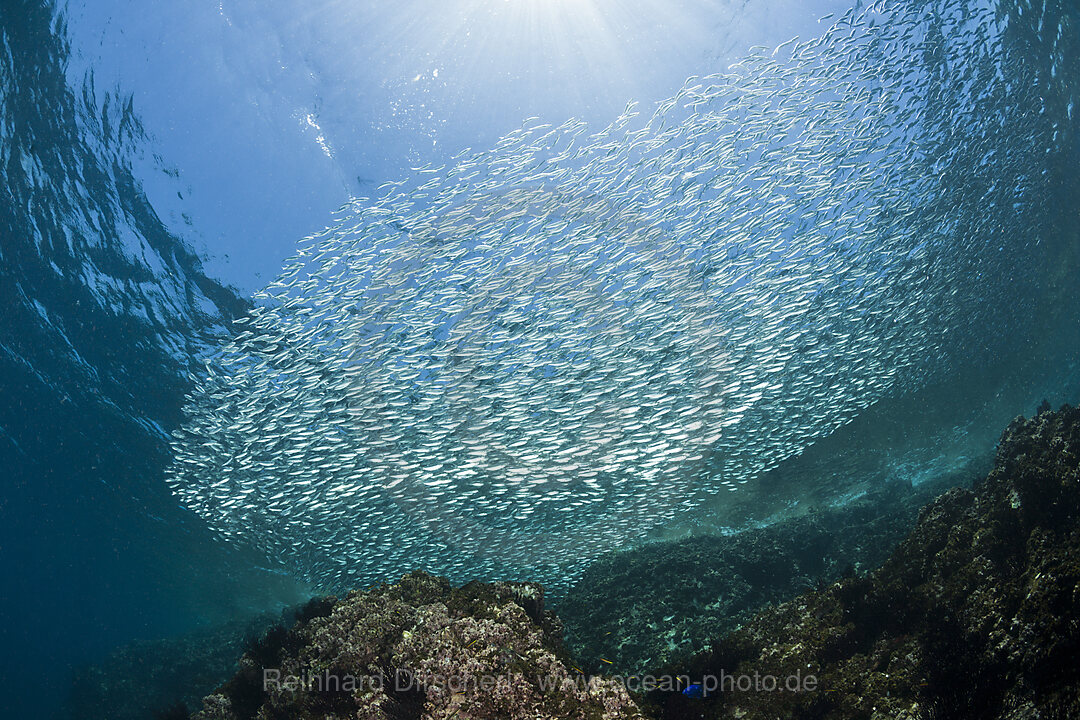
{"x": 844, "y": 260}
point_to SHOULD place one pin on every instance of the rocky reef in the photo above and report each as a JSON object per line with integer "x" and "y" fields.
{"x": 419, "y": 648}
{"x": 642, "y": 608}
{"x": 976, "y": 613}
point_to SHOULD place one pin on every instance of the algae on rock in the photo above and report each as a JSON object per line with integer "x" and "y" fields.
{"x": 645, "y": 607}
{"x": 976, "y": 614}
{"x": 421, "y": 649}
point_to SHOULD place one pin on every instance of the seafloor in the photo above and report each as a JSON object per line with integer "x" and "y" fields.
{"x": 973, "y": 614}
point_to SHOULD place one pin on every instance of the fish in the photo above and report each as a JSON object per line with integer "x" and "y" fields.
{"x": 548, "y": 349}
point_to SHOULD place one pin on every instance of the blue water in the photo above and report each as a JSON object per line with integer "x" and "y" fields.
{"x": 145, "y": 202}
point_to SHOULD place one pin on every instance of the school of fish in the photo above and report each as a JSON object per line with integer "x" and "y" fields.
{"x": 543, "y": 351}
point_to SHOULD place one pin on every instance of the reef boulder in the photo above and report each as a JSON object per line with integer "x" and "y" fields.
{"x": 976, "y": 613}
{"x": 420, "y": 648}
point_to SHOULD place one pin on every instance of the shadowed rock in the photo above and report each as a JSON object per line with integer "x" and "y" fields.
{"x": 976, "y": 614}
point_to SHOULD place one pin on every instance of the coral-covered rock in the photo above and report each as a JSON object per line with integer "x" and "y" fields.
{"x": 976, "y": 614}
{"x": 646, "y": 606}
{"x": 420, "y": 649}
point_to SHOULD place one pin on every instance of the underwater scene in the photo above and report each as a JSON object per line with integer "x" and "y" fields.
{"x": 539, "y": 359}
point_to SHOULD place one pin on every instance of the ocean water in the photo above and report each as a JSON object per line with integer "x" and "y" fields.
{"x": 760, "y": 276}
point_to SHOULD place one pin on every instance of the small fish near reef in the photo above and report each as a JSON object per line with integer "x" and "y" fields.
{"x": 695, "y": 691}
